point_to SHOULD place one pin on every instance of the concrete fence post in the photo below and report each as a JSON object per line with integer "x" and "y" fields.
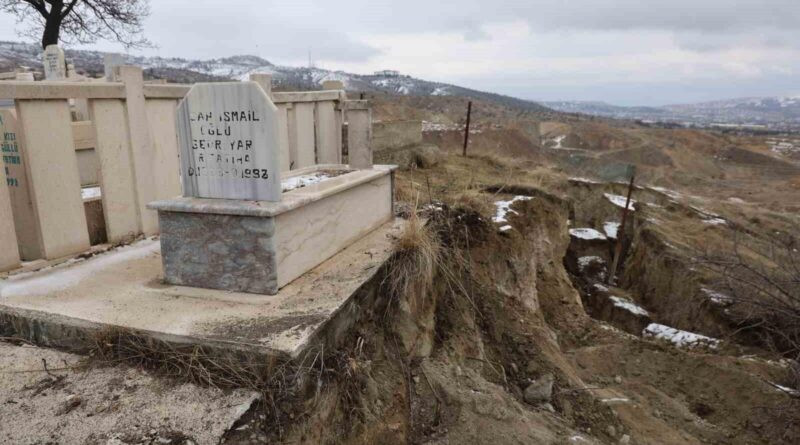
{"x": 141, "y": 145}
{"x": 359, "y": 134}
{"x": 264, "y": 81}
{"x": 112, "y": 148}
{"x": 328, "y": 133}
{"x": 45, "y": 130}
{"x": 9, "y": 252}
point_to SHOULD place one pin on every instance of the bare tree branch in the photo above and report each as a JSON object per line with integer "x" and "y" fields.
{"x": 81, "y": 21}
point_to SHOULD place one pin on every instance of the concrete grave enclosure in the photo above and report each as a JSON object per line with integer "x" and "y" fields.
{"x": 235, "y": 228}
{"x": 125, "y": 148}
{"x": 90, "y": 161}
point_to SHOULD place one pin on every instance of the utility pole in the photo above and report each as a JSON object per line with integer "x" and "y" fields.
{"x": 466, "y": 130}
{"x": 621, "y": 231}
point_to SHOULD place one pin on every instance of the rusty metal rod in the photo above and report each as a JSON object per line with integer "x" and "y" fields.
{"x": 621, "y": 231}
{"x": 466, "y": 130}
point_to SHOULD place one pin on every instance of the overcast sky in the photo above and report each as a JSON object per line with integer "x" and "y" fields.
{"x": 629, "y": 52}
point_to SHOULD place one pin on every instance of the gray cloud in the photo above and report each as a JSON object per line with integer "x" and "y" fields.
{"x": 634, "y": 51}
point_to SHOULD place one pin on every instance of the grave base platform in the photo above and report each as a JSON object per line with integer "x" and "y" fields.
{"x": 260, "y": 246}
{"x": 67, "y": 305}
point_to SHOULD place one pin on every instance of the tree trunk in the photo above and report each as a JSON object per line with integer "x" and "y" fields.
{"x": 52, "y": 24}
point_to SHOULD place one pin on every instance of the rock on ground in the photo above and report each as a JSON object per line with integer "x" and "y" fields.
{"x": 70, "y": 404}
{"x": 540, "y": 390}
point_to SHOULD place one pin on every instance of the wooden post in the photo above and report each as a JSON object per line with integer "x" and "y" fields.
{"x": 621, "y": 231}
{"x": 466, "y": 130}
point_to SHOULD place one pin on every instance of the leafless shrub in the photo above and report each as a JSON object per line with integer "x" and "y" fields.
{"x": 760, "y": 285}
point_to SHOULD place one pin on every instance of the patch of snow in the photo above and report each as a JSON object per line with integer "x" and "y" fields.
{"x": 504, "y": 208}
{"x": 787, "y": 390}
{"x": 717, "y": 297}
{"x": 671, "y": 193}
{"x": 558, "y": 140}
{"x": 296, "y": 182}
{"x": 611, "y": 228}
{"x": 576, "y": 439}
{"x": 629, "y": 306}
{"x": 736, "y": 200}
{"x": 615, "y": 400}
{"x": 433, "y": 207}
{"x": 441, "y": 91}
{"x": 91, "y": 193}
{"x": 715, "y": 221}
{"x": 600, "y": 287}
{"x": 587, "y": 233}
{"x": 71, "y": 273}
{"x": 505, "y": 228}
{"x": 584, "y": 180}
{"x": 679, "y": 338}
{"x": 584, "y": 261}
{"x": 619, "y": 200}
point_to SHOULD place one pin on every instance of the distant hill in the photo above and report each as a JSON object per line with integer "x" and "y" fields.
{"x": 22, "y": 55}
{"x": 777, "y": 113}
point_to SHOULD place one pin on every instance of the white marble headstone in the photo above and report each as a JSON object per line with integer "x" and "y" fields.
{"x": 228, "y": 138}
{"x": 55, "y": 67}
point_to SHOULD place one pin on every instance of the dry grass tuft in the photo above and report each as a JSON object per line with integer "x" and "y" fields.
{"x": 194, "y": 363}
{"x": 414, "y": 263}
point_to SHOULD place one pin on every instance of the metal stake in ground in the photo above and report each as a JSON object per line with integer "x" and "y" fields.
{"x": 621, "y": 231}
{"x": 466, "y": 130}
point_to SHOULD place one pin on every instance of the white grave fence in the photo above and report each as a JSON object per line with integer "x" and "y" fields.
{"x": 129, "y": 146}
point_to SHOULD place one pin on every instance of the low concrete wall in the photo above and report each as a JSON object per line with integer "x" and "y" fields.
{"x": 308, "y": 235}
{"x": 389, "y": 135}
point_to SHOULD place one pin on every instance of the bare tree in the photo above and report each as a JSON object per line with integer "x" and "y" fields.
{"x": 81, "y": 21}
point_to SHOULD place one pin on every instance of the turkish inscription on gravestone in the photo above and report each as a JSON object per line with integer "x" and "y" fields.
{"x": 55, "y": 67}
{"x": 228, "y": 139}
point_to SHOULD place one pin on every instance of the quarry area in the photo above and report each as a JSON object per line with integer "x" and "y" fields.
{"x": 563, "y": 279}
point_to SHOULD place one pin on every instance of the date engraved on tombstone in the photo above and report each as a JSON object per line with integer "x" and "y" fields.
{"x": 228, "y": 138}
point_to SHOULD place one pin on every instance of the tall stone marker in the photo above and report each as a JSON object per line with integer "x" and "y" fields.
{"x": 228, "y": 138}
{"x": 55, "y": 66}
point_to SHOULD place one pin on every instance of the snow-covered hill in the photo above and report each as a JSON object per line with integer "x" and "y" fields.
{"x": 22, "y": 55}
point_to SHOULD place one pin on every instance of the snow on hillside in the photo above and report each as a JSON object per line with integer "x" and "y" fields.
{"x": 15, "y": 55}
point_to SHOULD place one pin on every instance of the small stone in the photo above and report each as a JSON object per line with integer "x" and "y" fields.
{"x": 416, "y": 379}
{"x": 72, "y": 401}
{"x": 549, "y": 407}
{"x": 618, "y": 379}
{"x": 611, "y": 431}
{"x": 625, "y": 439}
{"x": 540, "y": 391}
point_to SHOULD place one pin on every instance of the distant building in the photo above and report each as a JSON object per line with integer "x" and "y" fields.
{"x": 388, "y": 73}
